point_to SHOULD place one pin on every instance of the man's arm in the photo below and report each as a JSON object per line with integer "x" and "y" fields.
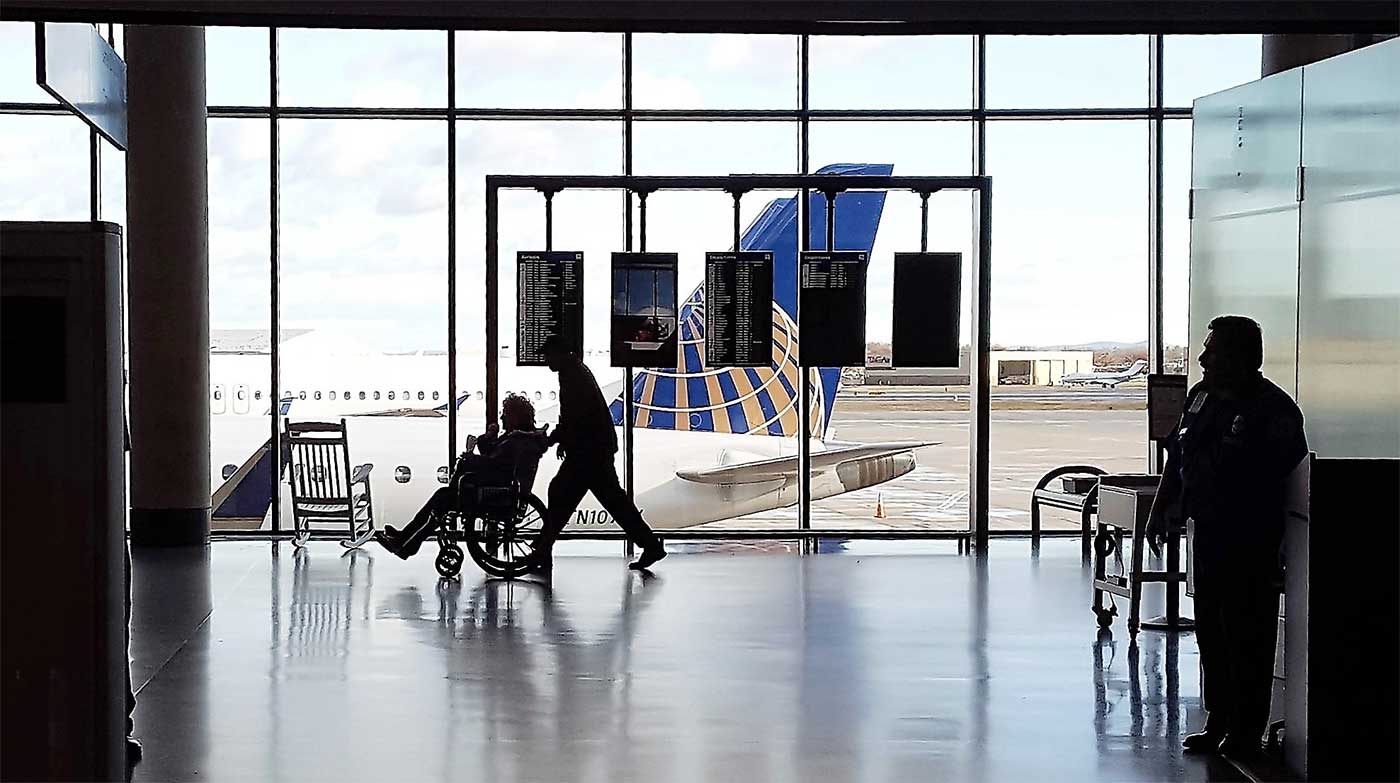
{"x": 1168, "y": 496}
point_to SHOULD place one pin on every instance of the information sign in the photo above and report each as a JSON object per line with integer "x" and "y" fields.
{"x": 739, "y": 309}
{"x": 549, "y": 302}
{"x": 831, "y": 308}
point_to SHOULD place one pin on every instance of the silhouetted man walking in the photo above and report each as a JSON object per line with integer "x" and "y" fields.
{"x": 587, "y": 443}
{"x": 1227, "y": 470}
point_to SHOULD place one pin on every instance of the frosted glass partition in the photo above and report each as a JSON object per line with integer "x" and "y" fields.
{"x": 1244, "y": 227}
{"x": 1349, "y": 284}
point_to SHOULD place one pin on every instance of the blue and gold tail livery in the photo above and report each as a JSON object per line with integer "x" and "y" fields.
{"x": 758, "y": 400}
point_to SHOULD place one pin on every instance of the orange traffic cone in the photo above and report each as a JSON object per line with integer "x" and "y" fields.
{"x": 879, "y": 506}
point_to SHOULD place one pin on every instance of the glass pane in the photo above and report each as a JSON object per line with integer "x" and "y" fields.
{"x": 1066, "y": 71}
{"x": 1069, "y": 295}
{"x": 674, "y": 71}
{"x": 364, "y": 68}
{"x": 927, "y": 488}
{"x": 1176, "y": 243}
{"x": 241, "y": 402}
{"x": 891, "y": 72}
{"x": 17, "y": 65}
{"x": 1196, "y": 65}
{"x": 501, "y": 70}
{"x": 45, "y": 175}
{"x": 237, "y": 65}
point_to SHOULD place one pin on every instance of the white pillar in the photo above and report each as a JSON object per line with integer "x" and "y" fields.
{"x": 167, "y": 207}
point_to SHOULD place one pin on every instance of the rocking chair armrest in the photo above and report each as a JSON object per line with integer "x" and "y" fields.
{"x": 361, "y": 473}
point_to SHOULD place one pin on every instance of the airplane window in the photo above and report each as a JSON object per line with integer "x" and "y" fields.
{"x": 218, "y": 393}
{"x": 480, "y": 396}
{"x": 407, "y": 395}
{"x": 318, "y": 395}
{"x": 301, "y": 395}
{"x": 332, "y": 395}
{"x": 257, "y": 395}
{"x": 553, "y": 395}
{"x": 442, "y": 474}
{"x": 376, "y": 395}
{"x": 391, "y": 395}
{"x": 347, "y": 394}
{"x": 362, "y": 395}
{"x": 539, "y": 396}
{"x": 435, "y": 395}
{"x": 420, "y": 395}
{"x": 229, "y": 470}
{"x": 318, "y": 473}
{"x": 402, "y": 474}
{"x": 242, "y": 393}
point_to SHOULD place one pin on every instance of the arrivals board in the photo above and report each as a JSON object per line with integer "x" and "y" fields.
{"x": 549, "y": 302}
{"x": 644, "y": 327}
{"x": 739, "y": 309}
{"x": 927, "y": 310}
{"x": 831, "y": 305}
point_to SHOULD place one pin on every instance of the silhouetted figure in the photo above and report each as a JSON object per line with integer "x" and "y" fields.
{"x": 1227, "y": 471}
{"x": 499, "y": 458}
{"x": 587, "y": 443}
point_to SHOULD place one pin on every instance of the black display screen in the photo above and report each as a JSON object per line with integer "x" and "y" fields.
{"x": 831, "y": 320}
{"x": 927, "y": 309}
{"x": 644, "y": 328}
{"x": 33, "y": 349}
{"x": 739, "y": 309}
{"x": 549, "y": 301}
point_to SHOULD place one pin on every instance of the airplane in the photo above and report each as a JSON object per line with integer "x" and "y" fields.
{"x": 1108, "y": 380}
{"x": 710, "y": 443}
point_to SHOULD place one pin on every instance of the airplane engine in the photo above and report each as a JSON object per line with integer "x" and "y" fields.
{"x": 861, "y": 473}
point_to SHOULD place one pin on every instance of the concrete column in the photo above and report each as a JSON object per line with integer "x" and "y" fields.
{"x": 167, "y": 207}
{"x": 1281, "y": 52}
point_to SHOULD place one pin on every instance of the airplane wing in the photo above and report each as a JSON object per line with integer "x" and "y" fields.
{"x": 786, "y": 467}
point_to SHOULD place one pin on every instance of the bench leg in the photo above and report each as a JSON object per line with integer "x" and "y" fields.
{"x": 1085, "y": 530}
{"x": 1135, "y": 585}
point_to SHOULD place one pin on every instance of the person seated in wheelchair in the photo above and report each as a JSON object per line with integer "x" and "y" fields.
{"x": 502, "y": 457}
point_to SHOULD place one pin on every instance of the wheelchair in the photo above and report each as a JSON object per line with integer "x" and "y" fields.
{"x": 500, "y": 521}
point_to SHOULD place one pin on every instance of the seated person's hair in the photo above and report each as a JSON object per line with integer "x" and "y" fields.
{"x": 520, "y": 408}
{"x": 1244, "y": 338}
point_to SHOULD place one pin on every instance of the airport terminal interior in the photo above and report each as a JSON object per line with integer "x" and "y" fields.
{"x": 269, "y": 270}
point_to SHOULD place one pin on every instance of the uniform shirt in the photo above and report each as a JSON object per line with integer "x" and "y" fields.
{"x": 585, "y": 423}
{"x": 1234, "y": 456}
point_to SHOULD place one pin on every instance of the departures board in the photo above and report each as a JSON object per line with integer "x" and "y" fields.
{"x": 549, "y": 302}
{"x": 927, "y": 310}
{"x": 739, "y": 309}
{"x": 831, "y": 305}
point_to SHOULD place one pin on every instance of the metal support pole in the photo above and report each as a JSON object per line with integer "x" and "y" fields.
{"x": 923, "y": 221}
{"x": 804, "y": 242}
{"x": 451, "y": 247}
{"x": 830, "y": 219}
{"x": 738, "y": 237}
{"x": 493, "y": 305}
{"x": 977, "y": 505}
{"x": 274, "y": 255}
{"x": 94, "y": 176}
{"x": 1156, "y": 349}
{"x": 548, "y": 220}
{"x": 628, "y": 406}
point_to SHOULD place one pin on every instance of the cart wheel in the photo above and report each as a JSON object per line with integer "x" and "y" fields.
{"x": 449, "y": 560}
{"x": 1105, "y": 616}
{"x": 506, "y": 549}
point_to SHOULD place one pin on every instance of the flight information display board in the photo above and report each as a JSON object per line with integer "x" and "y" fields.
{"x": 927, "y": 310}
{"x": 549, "y": 301}
{"x": 644, "y": 328}
{"x": 831, "y": 303}
{"x": 739, "y": 309}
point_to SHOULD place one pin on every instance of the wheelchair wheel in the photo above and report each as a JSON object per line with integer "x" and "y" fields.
{"x": 449, "y": 560}
{"x": 506, "y": 549}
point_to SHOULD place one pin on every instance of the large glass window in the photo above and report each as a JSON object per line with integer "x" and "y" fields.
{"x": 1197, "y": 65}
{"x": 674, "y": 71}
{"x": 236, "y": 66}
{"x": 1066, "y": 71}
{"x": 362, "y": 68}
{"x": 891, "y": 72}
{"x": 541, "y": 70}
{"x": 45, "y": 175}
{"x": 17, "y": 69}
{"x": 1069, "y": 296}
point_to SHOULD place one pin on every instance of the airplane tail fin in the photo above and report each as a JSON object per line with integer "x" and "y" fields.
{"x": 759, "y": 400}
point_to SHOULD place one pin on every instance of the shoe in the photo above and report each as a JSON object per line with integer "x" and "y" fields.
{"x": 391, "y": 543}
{"x": 648, "y": 559}
{"x": 133, "y": 751}
{"x": 1202, "y": 742}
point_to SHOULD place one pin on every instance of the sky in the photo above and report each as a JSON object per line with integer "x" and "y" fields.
{"x": 364, "y": 202}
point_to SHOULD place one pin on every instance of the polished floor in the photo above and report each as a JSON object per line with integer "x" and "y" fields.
{"x": 736, "y": 663}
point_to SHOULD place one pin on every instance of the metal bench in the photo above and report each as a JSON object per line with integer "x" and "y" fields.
{"x": 1085, "y": 504}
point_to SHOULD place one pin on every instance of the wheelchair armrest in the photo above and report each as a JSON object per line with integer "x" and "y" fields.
{"x": 361, "y": 473}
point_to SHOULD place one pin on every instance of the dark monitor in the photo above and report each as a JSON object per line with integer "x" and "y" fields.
{"x": 1166, "y": 401}
{"x": 927, "y": 309}
{"x": 831, "y": 305}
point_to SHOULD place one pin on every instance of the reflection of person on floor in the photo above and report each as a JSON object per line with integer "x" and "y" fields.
{"x": 587, "y": 443}
{"x": 499, "y": 458}
{"x": 1227, "y": 470}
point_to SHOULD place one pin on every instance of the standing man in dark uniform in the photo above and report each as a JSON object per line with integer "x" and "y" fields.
{"x": 1227, "y": 471}
{"x": 587, "y": 443}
